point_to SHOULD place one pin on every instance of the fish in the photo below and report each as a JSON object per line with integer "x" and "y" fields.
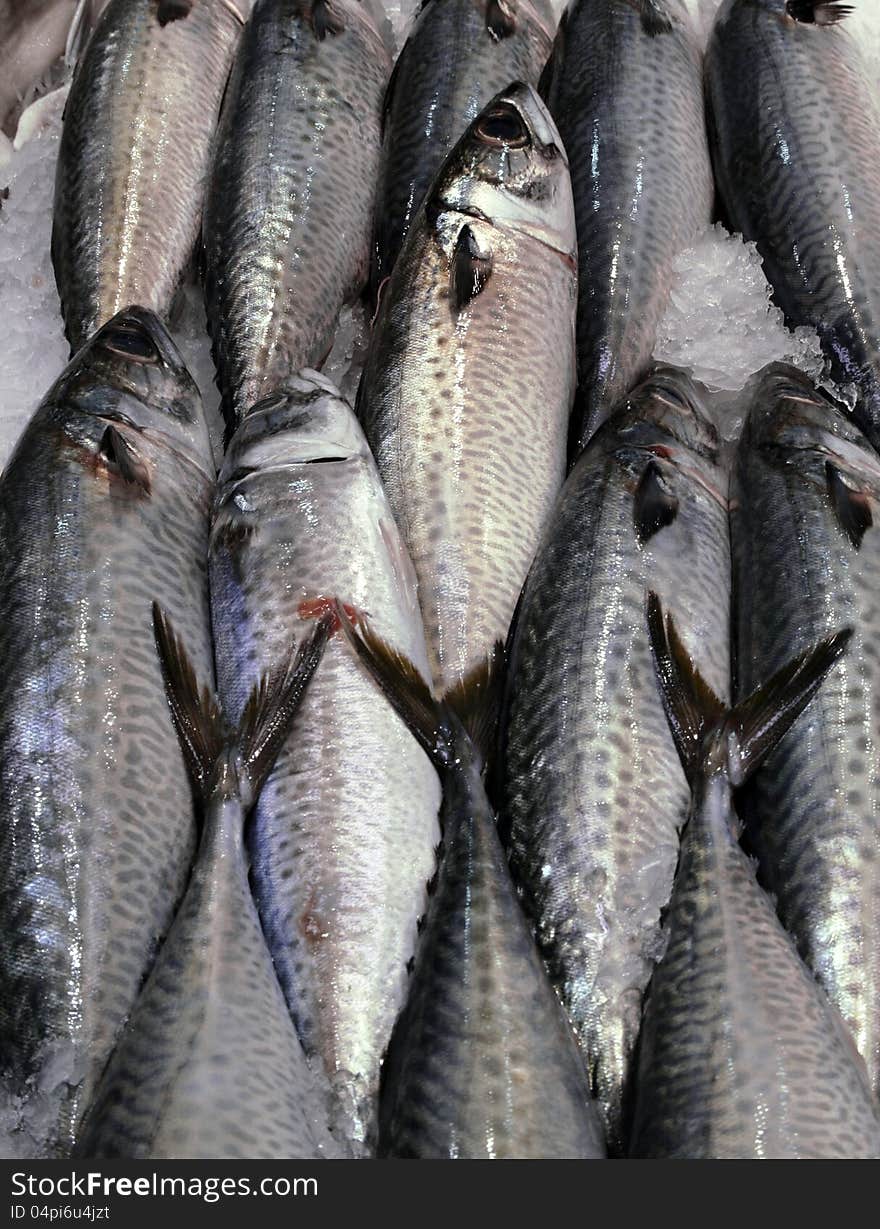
{"x": 459, "y": 54}
{"x": 795, "y": 130}
{"x": 592, "y": 792}
{"x": 210, "y": 1066}
{"x": 742, "y": 1055}
{"x": 469, "y": 377}
{"x": 482, "y": 1064}
{"x": 624, "y": 85}
{"x": 135, "y": 155}
{"x": 104, "y": 508}
{"x": 343, "y": 836}
{"x": 806, "y": 506}
{"x": 298, "y": 149}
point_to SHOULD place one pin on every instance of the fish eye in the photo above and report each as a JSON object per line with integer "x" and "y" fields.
{"x": 131, "y": 341}
{"x": 503, "y": 125}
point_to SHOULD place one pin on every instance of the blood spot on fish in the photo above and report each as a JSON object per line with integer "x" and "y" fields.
{"x": 318, "y": 607}
{"x": 310, "y": 924}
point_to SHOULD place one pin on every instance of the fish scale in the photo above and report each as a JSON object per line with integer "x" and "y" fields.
{"x": 341, "y": 853}
{"x": 795, "y": 130}
{"x": 466, "y": 410}
{"x": 135, "y": 156}
{"x": 482, "y": 1064}
{"x": 97, "y": 832}
{"x": 212, "y": 1004}
{"x": 594, "y": 794}
{"x": 629, "y": 106}
{"x": 451, "y": 65}
{"x": 798, "y": 575}
{"x": 298, "y": 148}
{"x": 741, "y": 1054}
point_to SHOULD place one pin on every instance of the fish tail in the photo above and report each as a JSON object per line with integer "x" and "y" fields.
{"x": 473, "y": 705}
{"x": 701, "y": 722}
{"x": 205, "y": 735}
{"x": 402, "y": 684}
{"x": 476, "y": 701}
{"x": 272, "y": 705}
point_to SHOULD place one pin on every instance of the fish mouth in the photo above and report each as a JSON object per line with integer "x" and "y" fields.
{"x": 305, "y": 422}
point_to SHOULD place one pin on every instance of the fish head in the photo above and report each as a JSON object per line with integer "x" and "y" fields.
{"x": 131, "y": 372}
{"x": 664, "y": 424}
{"x": 510, "y": 169}
{"x": 668, "y": 405}
{"x": 307, "y": 422}
{"x": 795, "y": 425}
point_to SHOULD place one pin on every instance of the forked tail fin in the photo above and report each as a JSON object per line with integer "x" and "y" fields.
{"x": 204, "y": 733}
{"x": 749, "y": 732}
{"x": 472, "y": 705}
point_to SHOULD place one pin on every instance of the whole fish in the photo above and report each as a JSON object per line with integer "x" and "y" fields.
{"x": 289, "y": 211}
{"x": 457, "y": 57}
{"x": 210, "y": 1065}
{"x": 482, "y": 1063}
{"x": 343, "y": 836}
{"x": 796, "y": 144}
{"x": 804, "y": 538}
{"x": 593, "y": 793}
{"x": 104, "y": 508}
{"x": 466, "y": 392}
{"x": 624, "y": 85}
{"x": 135, "y": 154}
{"x": 741, "y": 1055}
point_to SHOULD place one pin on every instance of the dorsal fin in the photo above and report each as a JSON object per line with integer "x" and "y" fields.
{"x": 852, "y": 507}
{"x": 470, "y": 270}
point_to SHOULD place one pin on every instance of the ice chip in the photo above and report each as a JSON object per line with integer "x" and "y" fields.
{"x": 720, "y": 322}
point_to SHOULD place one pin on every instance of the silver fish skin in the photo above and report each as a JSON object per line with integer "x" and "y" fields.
{"x": 104, "y": 508}
{"x": 795, "y": 128}
{"x": 482, "y": 1063}
{"x": 459, "y": 54}
{"x": 741, "y": 1055}
{"x": 343, "y": 837}
{"x": 805, "y": 516}
{"x": 624, "y": 85}
{"x": 210, "y": 1066}
{"x": 593, "y": 792}
{"x": 135, "y": 155}
{"x": 289, "y": 211}
{"x": 468, "y": 384}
